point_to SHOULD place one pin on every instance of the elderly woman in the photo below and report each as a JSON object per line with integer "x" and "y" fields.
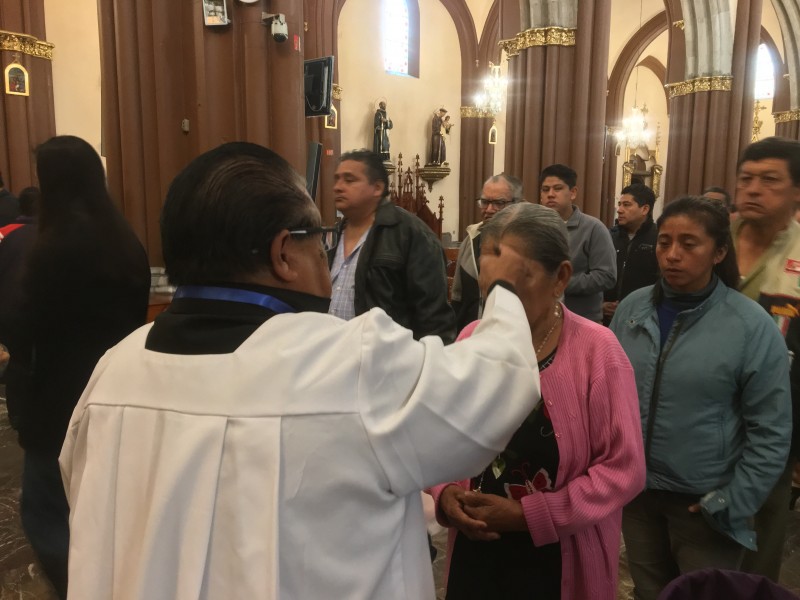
{"x": 713, "y": 379}
{"x": 543, "y": 520}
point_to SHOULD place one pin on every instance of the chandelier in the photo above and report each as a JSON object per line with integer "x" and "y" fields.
{"x": 494, "y": 88}
{"x": 634, "y": 132}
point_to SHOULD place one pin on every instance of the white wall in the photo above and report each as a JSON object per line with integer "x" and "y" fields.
{"x": 479, "y": 9}
{"x": 73, "y": 28}
{"x": 625, "y": 23}
{"x": 410, "y": 102}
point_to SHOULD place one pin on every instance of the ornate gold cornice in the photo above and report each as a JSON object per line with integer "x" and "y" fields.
{"x": 717, "y": 83}
{"x": 473, "y": 112}
{"x": 679, "y": 24}
{"x": 337, "y": 91}
{"x": 25, "y": 44}
{"x": 787, "y": 115}
{"x": 538, "y": 36}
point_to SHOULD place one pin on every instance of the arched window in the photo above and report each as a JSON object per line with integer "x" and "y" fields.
{"x": 765, "y": 74}
{"x": 401, "y": 37}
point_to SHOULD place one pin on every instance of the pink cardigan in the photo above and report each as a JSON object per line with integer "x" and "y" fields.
{"x": 590, "y": 393}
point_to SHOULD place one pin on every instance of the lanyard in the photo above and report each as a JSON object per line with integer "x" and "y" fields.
{"x": 207, "y": 292}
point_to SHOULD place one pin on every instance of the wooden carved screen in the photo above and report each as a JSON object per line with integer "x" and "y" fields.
{"x": 407, "y": 190}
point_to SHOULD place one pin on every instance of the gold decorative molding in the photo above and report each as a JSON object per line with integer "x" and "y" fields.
{"x": 433, "y": 173}
{"x": 717, "y": 83}
{"x": 656, "y": 171}
{"x": 538, "y": 36}
{"x": 679, "y": 24}
{"x": 25, "y": 44}
{"x": 336, "y": 91}
{"x": 473, "y": 112}
{"x": 786, "y": 116}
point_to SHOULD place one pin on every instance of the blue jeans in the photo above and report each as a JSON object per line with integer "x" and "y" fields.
{"x": 45, "y": 517}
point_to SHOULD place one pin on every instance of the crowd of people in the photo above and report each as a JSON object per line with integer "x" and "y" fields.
{"x": 268, "y": 436}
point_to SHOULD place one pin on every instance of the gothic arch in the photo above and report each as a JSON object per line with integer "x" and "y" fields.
{"x": 617, "y": 83}
{"x": 626, "y": 62}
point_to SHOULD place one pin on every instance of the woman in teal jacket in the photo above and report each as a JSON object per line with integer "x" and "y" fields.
{"x": 712, "y": 373}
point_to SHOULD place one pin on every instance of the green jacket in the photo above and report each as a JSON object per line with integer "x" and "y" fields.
{"x": 715, "y": 402}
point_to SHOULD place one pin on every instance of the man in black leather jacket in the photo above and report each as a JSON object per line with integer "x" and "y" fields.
{"x": 386, "y": 257}
{"x": 634, "y": 240}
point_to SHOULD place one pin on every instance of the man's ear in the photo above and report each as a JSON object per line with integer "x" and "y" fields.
{"x": 647, "y": 206}
{"x": 573, "y": 193}
{"x": 281, "y": 254}
{"x": 380, "y": 188}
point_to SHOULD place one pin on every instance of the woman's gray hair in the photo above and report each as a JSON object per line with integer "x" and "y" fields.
{"x": 540, "y": 229}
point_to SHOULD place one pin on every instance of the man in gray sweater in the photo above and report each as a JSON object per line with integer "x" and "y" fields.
{"x": 594, "y": 265}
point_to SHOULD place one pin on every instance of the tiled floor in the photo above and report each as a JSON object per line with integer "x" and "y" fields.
{"x": 21, "y": 578}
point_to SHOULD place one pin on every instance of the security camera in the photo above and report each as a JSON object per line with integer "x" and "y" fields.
{"x": 280, "y": 31}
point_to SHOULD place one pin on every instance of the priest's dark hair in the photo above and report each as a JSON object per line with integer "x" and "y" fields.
{"x": 224, "y": 209}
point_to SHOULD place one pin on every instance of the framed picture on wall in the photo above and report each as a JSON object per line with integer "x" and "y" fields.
{"x": 332, "y": 119}
{"x": 215, "y": 12}
{"x": 17, "y": 83}
{"x": 493, "y": 134}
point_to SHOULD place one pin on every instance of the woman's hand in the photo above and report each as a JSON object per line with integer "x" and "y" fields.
{"x": 498, "y": 513}
{"x": 451, "y": 503}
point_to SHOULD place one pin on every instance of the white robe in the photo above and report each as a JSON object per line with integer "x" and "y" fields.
{"x": 290, "y": 468}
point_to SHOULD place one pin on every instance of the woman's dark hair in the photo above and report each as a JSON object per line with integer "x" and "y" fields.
{"x": 713, "y": 216}
{"x": 224, "y": 209}
{"x": 79, "y": 225}
{"x": 84, "y": 243}
{"x": 541, "y": 230}
{"x": 72, "y": 182}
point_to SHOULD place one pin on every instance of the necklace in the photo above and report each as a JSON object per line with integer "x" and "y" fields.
{"x": 547, "y": 337}
{"x": 499, "y": 464}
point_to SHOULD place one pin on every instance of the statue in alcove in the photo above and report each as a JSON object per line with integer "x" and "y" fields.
{"x": 440, "y": 125}
{"x": 642, "y": 166}
{"x": 380, "y": 137}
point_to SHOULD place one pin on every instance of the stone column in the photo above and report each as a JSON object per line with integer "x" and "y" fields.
{"x": 710, "y": 109}
{"x": 557, "y": 94}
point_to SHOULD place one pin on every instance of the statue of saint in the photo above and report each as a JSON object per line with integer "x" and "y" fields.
{"x": 440, "y": 125}
{"x": 380, "y": 137}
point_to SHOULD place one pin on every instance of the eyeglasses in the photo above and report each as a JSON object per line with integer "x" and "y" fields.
{"x": 330, "y": 235}
{"x": 498, "y": 204}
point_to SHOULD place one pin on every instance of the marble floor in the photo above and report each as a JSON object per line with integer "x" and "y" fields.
{"x": 21, "y": 577}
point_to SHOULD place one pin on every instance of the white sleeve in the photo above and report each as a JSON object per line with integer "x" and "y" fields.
{"x": 436, "y": 413}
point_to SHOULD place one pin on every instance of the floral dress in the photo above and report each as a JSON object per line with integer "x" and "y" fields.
{"x": 512, "y": 567}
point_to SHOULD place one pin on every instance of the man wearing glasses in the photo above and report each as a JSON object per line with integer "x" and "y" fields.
{"x": 767, "y": 242}
{"x": 386, "y": 257}
{"x": 498, "y": 192}
{"x": 249, "y": 445}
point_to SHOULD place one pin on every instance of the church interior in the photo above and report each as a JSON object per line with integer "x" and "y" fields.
{"x": 666, "y": 91}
